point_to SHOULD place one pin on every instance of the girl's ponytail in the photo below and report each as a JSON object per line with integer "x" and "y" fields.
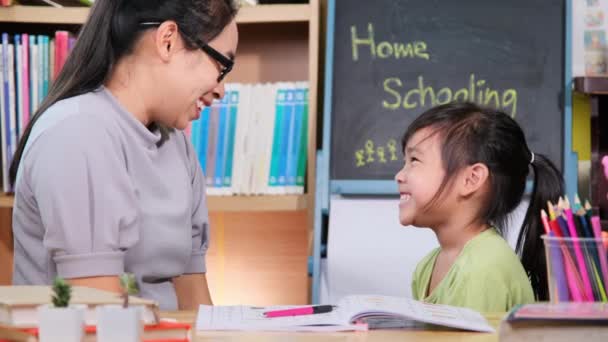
{"x": 548, "y": 186}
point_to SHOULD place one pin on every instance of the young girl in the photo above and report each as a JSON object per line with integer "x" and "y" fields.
{"x": 465, "y": 171}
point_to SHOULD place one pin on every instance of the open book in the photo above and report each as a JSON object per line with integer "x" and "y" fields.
{"x": 358, "y": 312}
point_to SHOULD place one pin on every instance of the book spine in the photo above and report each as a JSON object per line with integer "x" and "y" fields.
{"x": 221, "y": 144}
{"x": 232, "y": 111}
{"x": 303, "y": 146}
{"x": 18, "y": 84}
{"x": 195, "y": 137}
{"x": 33, "y": 74}
{"x": 203, "y": 134}
{"x": 211, "y": 148}
{"x": 45, "y": 67}
{"x": 3, "y": 124}
{"x": 283, "y": 151}
{"x": 25, "y": 40}
{"x": 273, "y": 180}
{"x": 11, "y": 102}
{"x": 40, "y": 69}
{"x": 292, "y": 148}
{"x": 7, "y": 106}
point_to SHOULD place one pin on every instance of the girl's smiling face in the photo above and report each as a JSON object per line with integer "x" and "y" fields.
{"x": 420, "y": 179}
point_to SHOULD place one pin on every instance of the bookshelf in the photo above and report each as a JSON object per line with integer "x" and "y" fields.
{"x": 260, "y": 241}
{"x": 288, "y": 49}
{"x": 77, "y": 15}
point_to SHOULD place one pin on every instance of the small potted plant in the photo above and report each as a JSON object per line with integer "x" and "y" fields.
{"x": 121, "y": 323}
{"x": 61, "y": 321}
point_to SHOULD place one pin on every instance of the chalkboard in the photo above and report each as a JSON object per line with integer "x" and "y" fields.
{"x": 394, "y": 59}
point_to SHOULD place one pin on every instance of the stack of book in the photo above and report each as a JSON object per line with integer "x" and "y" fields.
{"x": 28, "y": 65}
{"x": 254, "y": 141}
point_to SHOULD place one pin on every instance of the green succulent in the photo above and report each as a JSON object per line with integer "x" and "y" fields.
{"x": 62, "y": 293}
{"x": 128, "y": 283}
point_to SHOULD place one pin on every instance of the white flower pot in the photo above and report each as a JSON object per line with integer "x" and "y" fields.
{"x": 118, "y": 324}
{"x": 61, "y": 324}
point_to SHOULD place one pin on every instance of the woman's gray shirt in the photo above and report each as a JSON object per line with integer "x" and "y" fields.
{"x": 96, "y": 196}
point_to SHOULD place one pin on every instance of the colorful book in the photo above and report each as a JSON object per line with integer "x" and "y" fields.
{"x": 291, "y": 160}
{"x": 273, "y": 179}
{"x": 303, "y": 145}
{"x": 25, "y": 41}
{"x": 233, "y": 102}
{"x": 4, "y": 127}
{"x": 33, "y": 74}
{"x": 203, "y": 133}
{"x": 221, "y": 144}
{"x": 212, "y": 146}
{"x": 18, "y": 84}
{"x": 284, "y": 138}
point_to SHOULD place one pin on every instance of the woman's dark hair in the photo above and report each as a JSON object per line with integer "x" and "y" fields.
{"x": 472, "y": 134}
{"x": 110, "y": 32}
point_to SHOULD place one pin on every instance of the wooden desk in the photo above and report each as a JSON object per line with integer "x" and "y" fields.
{"x": 366, "y": 336}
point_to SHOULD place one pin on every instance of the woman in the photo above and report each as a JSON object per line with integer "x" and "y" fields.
{"x": 105, "y": 180}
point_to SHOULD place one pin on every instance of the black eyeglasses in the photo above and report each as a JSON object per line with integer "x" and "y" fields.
{"x": 226, "y": 62}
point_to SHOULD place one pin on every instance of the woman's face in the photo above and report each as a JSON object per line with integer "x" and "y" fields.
{"x": 192, "y": 80}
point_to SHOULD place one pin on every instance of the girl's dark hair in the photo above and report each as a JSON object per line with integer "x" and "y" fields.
{"x": 472, "y": 134}
{"x": 110, "y": 32}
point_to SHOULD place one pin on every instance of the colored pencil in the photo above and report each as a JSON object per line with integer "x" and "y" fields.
{"x": 577, "y": 250}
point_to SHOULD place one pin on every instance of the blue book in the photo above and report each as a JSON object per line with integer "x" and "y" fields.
{"x": 40, "y": 68}
{"x": 273, "y": 175}
{"x": 232, "y": 112}
{"x": 214, "y": 119}
{"x": 203, "y": 135}
{"x": 7, "y": 106}
{"x": 45, "y": 67}
{"x": 221, "y": 143}
{"x": 285, "y": 128}
{"x": 294, "y": 129}
{"x": 195, "y": 136}
{"x": 18, "y": 84}
{"x": 295, "y": 148}
{"x": 33, "y": 75}
{"x": 302, "y": 153}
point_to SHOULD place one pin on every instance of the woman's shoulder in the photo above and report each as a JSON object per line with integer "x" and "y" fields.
{"x": 81, "y": 114}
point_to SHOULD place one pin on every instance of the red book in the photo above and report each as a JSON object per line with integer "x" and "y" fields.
{"x": 164, "y": 331}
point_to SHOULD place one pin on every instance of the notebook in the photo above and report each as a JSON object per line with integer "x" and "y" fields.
{"x": 19, "y": 304}
{"x": 357, "y": 312}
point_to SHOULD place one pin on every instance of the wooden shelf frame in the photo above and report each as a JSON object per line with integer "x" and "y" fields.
{"x": 232, "y": 203}
{"x": 78, "y": 15}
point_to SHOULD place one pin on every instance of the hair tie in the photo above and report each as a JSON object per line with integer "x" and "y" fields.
{"x": 532, "y": 157}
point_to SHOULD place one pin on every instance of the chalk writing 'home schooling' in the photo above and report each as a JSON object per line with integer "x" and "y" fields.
{"x": 475, "y": 91}
{"x": 384, "y": 49}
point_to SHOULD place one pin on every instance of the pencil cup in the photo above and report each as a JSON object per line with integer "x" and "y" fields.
{"x": 577, "y": 269}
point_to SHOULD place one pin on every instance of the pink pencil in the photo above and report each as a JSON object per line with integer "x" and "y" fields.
{"x": 577, "y": 250}
{"x": 597, "y": 231}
